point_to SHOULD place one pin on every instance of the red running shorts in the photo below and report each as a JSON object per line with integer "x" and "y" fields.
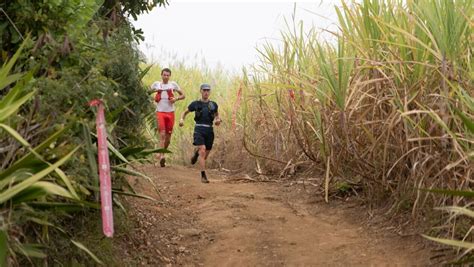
{"x": 165, "y": 121}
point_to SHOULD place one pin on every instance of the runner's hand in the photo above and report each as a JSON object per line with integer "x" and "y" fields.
{"x": 181, "y": 123}
{"x": 172, "y": 100}
{"x": 218, "y": 122}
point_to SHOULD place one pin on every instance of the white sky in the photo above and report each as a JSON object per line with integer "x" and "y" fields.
{"x": 224, "y": 33}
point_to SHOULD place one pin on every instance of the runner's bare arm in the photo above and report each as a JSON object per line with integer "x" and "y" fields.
{"x": 181, "y": 121}
{"x": 180, "y": 96}
{"x": 217, "y": 119}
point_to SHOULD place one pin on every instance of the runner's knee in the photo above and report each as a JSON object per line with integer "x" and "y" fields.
{"x": 202, "y": 151}
{"x": 207, "y": 153}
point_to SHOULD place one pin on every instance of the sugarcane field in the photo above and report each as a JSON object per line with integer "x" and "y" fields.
{"x": 236, "y": 133}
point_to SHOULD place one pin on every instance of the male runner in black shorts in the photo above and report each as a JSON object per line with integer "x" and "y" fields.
{"x": 206, "y": 113}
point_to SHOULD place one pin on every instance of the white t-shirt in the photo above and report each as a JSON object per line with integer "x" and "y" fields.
{"x": 165, "y": 105}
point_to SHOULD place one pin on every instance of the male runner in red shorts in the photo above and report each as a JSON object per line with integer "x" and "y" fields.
{"x": 165, "y": 100}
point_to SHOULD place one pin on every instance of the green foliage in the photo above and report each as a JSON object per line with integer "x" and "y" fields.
{"x": 336, "y": 76}
{"x": 30, "y": 177}
{"x": 131, "y": 7}
{"x": 67, "y": 53}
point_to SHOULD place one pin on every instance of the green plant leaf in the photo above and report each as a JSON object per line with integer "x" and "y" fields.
{"x": 13, "y": 107}
{"x": 3, "y": 247}
{"x": 135, "y": 173}
{"x": 53, "y": 189}
{"x": 6, "y": 68}
{"x": 67, "y": 182}
{"x": 85, "y": 249}
{"x": 121, "y": 192}
{"x": 10, "y": 192}
{"x": 19, "y": 138}
{"x": 450, "y": 192}
{"x": 467, "y": 121}
{"x": 29, "y": 161}
{"x": 31, "y": 250}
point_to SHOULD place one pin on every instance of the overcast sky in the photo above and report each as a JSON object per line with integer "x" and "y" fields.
{"x": 223, "y": 31}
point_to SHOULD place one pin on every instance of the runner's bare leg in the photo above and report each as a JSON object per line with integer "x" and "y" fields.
{"x": 167, "y": 140}
{"x": 202, "y": 157}
{"x": 163, "y": 142}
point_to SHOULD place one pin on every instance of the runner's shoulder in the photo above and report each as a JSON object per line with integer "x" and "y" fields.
{"x": 174, "y": 85}
{"x": 193, "y": 105}
{"x": 155, "y": 85}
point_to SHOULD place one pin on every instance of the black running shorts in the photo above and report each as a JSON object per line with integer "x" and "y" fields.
{"x": 203, "y": 136}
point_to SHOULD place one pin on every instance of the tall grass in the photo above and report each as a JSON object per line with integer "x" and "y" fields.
{"x": 189, "y": 77}
{"x": 386, "y": 106}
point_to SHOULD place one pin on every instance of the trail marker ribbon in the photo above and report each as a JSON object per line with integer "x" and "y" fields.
{"x": 236, "y": 108}
{"x": 104, "y": 170}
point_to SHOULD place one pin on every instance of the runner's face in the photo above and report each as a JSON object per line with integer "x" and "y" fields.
{"x": 205, "y": 93}
{"x": 165, "y": 76}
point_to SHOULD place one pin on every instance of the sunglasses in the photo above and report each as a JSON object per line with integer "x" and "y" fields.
{"x": 206, "y": 90}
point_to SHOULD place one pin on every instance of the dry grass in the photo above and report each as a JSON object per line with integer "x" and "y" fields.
{"x": 388, "y": 107}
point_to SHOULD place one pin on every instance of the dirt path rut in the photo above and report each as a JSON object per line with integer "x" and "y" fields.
{"x": 228, "y": 223}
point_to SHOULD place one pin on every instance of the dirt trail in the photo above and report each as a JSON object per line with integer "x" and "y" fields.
{"x": 228, "y": 223}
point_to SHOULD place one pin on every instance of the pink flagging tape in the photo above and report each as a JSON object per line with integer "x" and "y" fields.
{"x": 236, "y": 108}
{"x": 291, "y": 93}
{"x": 104, "y": 170}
